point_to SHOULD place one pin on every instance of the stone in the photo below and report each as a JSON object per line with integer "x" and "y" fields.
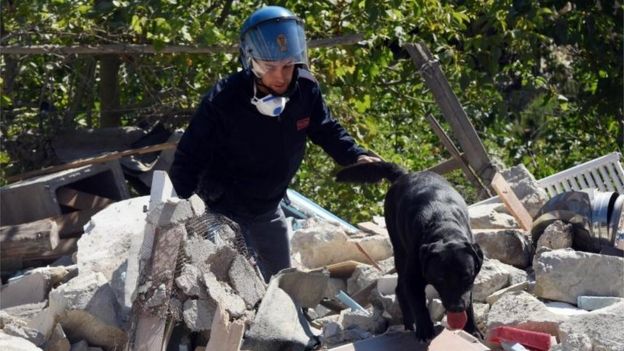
{"x": 246, "y": 281}
{"x": 169, "y": 212}
{"x": 487, "y": 216}
{"x": 197, "y": 205}
{"x": 522, "y": 310}
{"x": 189, "y": 282}
{"x": 221, "y": 260}
{"x": 480, "y": 313}
{"x": 523, "y": 286}
{"x": 87, "y": 309}
{"x": 592, "y": 303}
{"x": 563, "y": 275}
{"x": 372, "y": 323}
{"x": 597, "y": 330}
{"x": 526, "y": 188}
{"x": 386, "y": 284}
{"x": 27, "y": 289}
{"x": 334, "y": 285}
{"x": 14, "y": 343}
{"x": 436, "y": 310}
{"x": 510, "y": 246}
{"x": 223, "y": 294}
{"x": 198, "y": 250}
{"x": 327, "y": 243}
{"x": 557, "y": 235}
{"x": 305, "y": 288}
{"x": 25, "y": 332}
{"x": 490, "y": 279}
{"x": 25, "y": 312}
{"x": 58, "y": 341}
{"x": 198, "y": 314}
{"x": 363, "y": 276}
{"x": 120, "y": 228}
{"x": 279, "y": 324}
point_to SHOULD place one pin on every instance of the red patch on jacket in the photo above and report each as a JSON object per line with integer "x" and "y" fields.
{"x": 303, "y": 123}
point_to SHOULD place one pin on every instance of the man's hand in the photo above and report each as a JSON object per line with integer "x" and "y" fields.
{"x": 367, "y": 159}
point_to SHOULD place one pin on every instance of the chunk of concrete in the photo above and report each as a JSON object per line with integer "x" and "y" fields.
{"x": 171, "y": 211}
{"x": 592, "y": 303}
{"x": 190, "y": 282}
{"x": 223, "y": 294}
{"x": 510, "y": 246}
{"x": 111, "y": 246}
{"x": 597, "y": 330}
{"x": 526, "y": 188}
{"x": 363, "y": 276}
{"x": 246, "y": 281}
{"x": 279, "y": 323}
{"x": 58, "y": 341}
{"x": 565, "y": 274}
{"x": 14, "y": 343}
{"x": 328, "y": 243}
{"x": 198, "y": 314}
{"x": 305, "y": 288}
{"x": 25, "y": 332}
{"x": 373, "y": 323}
{"x": 487, "y": 216}
{"x": 87, "y": 308}
{"x": 27, "y": 289}
{"x": 490, "y": 279}
{"x": 522, "y": 310}
{"x": 557, "y": 235}
{"x": 198, "y": 250}
{"x": 523, "y": 286}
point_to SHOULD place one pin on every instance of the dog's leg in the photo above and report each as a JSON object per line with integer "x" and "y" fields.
{"x": 406, "y": 308}
{"x": 471, "y": 324}
{"x": 424, "y": 325}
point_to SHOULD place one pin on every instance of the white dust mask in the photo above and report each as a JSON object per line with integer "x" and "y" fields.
{"x": 270, "y": 105}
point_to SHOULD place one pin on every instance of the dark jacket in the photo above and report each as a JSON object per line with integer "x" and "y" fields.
{"x": 232, "y": 155}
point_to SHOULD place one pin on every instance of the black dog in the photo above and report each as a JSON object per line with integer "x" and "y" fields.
{"x": 429, "y": 228}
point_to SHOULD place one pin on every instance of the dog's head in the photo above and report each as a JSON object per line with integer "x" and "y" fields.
{"x": 451, "y": 267}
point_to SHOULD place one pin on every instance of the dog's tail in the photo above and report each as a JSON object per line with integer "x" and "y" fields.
{"x": 372, "y": 172}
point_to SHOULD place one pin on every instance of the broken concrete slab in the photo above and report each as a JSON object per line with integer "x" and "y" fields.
{"x": 190, "y": 283}
{"x": 594, "y": 330}
{"x": 565, "y": 274}
{"x": 490, "y": 279}
{"x": 198, "y": 314}
{"x": 592, "y": 303}
{"x": 523, "y": 286}
{"x": 246, "y": 281}
{"x": 87, "y": 308}
{"x": 27, "y": 289}
{"x": 510, "y": 246}
{"x": 223, "y": 294}
{"x": 557, "y": 235}
{"x": 526, "y": 188}
{"x": 363, "y": 276}
{"x": 25, "y": 332}
{"x": 488, "y": 216}
{"x": 305, "y": 288}
{"x": 524, "y": 311}
{"x": 14, "y": 343}
{"x": 279, "y": 323}
{"x": 328, "y": 243}
{"x": 171, "y": 211}
{"x": 120, "y": 229}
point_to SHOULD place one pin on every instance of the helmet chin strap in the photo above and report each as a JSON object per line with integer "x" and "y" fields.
{"x": 259, "y": 83}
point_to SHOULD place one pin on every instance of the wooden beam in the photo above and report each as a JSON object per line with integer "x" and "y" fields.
{"x": 448, "y": 144}
{"x": 139, "y": 49}
{"x": 92, "y": 160}
{"x": 80, "y": 200}
{"x": 225, "y": 336}
{"x": 445, "y": 166}
{"x": 22, "y": 241}
{"x": 71, "y": 224}
{"x": 511, "y": 202}
{"x": 452, "y": 111}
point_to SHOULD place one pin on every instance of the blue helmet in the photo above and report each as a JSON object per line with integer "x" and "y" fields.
{"x": 273, "y": 33}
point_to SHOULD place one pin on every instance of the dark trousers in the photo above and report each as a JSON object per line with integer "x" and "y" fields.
{"x": 267, "y": 237}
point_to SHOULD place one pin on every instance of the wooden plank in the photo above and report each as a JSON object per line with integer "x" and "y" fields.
{"x": 368, "y": 257}
{"x": 446, "y": 166}
{"x": 511, "y": 202}
{"x": 373, "y": 228}
{"x": 18, "y": 242}
{"x": 80, "y": 200}
{"x": 151, "y": 325}
{"x": 465, "y": 167}
{"x": 225, "y": 336}
{"x": 342, "y": 269}
{"x": 452, "y": 111}
{"x": 93, "y": 160}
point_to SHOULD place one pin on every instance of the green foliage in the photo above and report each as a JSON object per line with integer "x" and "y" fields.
{"x": 540, "y": 80}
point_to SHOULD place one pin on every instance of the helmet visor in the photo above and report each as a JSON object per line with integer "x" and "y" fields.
{"x": 280, "y": 40}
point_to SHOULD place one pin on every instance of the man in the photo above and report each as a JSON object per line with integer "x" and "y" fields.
{"x": 247, "y": 139}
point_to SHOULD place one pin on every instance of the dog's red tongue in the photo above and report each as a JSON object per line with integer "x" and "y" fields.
{"x": 456, "y": 320}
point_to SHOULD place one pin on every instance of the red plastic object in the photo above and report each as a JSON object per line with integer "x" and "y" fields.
{"x": 532, "y": 339}
{"x": 456, "y": 320}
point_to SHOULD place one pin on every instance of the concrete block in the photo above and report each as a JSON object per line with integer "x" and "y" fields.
{"x": 170, "y": 211}
{"x": 510, "y": 246}
{"x": 591, "y": 303}
{"x": 27, "y": 289}
{"x": 36, "y": 198}
{"x": 305, "y": 288}
{"x": 25, "y": 332}
{"x": 14, "y": 343}
{"x": 386, "y": 285}
{"x": 189, "y": 281}
{"x": 223, "y": 294}
{"x": 198, "y": 314}
{"x": 246, "y": 281}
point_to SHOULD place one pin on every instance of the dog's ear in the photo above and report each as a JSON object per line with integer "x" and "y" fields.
{"x": 478, "y": 255}
{"x": 425, "y": 252}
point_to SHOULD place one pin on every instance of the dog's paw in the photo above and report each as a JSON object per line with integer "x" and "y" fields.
{"x": 425, "y": 331}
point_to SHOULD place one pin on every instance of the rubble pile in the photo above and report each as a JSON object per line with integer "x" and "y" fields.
{"x": 175, "y": 262}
